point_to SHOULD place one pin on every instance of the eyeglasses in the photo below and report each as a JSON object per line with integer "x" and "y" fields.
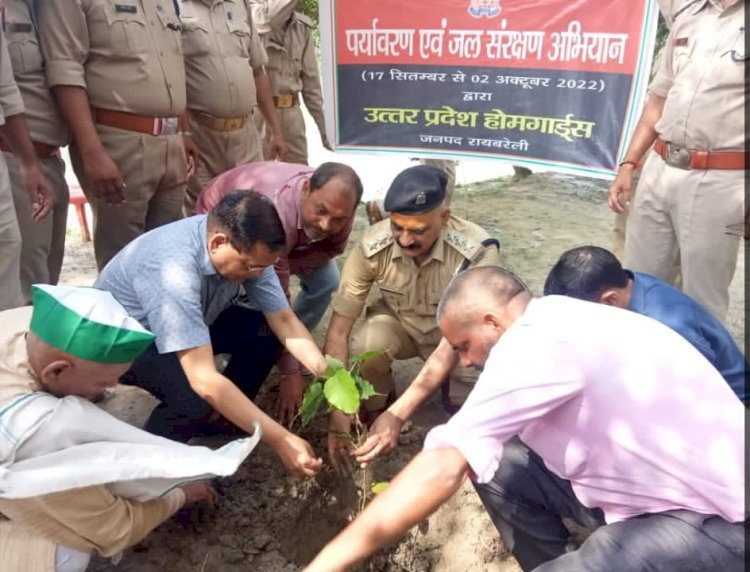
{"x": 252, "y": 268}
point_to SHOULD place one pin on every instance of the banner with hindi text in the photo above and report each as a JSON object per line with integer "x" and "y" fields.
{"x": 558, "y": 83}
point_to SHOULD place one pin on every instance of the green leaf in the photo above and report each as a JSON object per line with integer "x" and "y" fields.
{"x": 378, "y": 488}
{"x": 364, "y": 356}
{"x": 311, "y": 402}
{"x": 365, "y": 388}
{"x": 334, "y": 365}
{"x": 341, "y": 392}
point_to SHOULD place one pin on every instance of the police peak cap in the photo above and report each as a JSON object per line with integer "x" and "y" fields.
{"x": 416, "y": 190}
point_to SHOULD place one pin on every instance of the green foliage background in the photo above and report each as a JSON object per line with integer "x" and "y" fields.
{"x": 309, "y": 8}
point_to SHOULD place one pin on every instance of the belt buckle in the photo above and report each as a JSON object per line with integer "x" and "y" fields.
{"x": 166, "y": 125}
{"x": 234, "y": 123}
{"x": 285, "y": 100}
{"x": 677, "y": 157}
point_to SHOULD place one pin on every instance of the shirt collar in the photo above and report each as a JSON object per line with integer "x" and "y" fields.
{"x": 700, "y": 5}
{"x": 204, "y": 260}
{"x": 637, "y": 292}
{"x": 293, "y": 185}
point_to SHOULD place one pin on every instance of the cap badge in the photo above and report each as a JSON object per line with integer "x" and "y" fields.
{"x": 421, "y": 199}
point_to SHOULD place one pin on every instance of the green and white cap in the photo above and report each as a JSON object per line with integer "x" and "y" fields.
{"x": 87, "y": 323}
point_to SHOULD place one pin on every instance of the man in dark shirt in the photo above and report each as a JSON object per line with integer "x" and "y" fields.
{"x": 594, "y": 274}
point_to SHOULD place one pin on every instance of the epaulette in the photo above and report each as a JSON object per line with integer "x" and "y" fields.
{"x": 485, "y": 243}
{"x": 305, "y": 19}
{"x": 376, "y": 238}
{"x": 466, "y": 247}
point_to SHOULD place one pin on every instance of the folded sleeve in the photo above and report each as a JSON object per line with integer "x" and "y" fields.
{"x": 10, "y": 97}
{"x": 357, "y": 277}
{"x": 64, "y": 39}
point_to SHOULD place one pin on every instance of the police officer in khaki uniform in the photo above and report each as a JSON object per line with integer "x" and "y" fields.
{"x": 116, "y": 70}
{"x": 690, "y": 201}
{"x": 411, "y": 257}
{"x": 667, "y": 9}
{"x": 15, "y": 135}
{"x": 224, "y": 67}
{"x": 293, "y": 71}
{"x": 42, "y": 243}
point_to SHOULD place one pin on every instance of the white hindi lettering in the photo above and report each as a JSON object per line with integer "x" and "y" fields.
{"x": 572, "y": 45}
{"x": 465, "y": 43}
{"x": 380, "y": 41}
{"x": 446, "y": 139}
{"x": 431, "y": 41}
{"x": 513, "y": 44}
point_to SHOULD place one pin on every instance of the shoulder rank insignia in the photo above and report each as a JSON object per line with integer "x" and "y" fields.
{"x": 376, "y": 244}
{"x": 466, "y": 247}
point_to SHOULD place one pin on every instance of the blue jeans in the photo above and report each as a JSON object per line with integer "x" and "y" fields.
{"x": 238, "y": 331}
{"x": 315, "y": 293}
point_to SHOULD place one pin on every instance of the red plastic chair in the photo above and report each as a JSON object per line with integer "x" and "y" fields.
{"x": 79, "y": 200}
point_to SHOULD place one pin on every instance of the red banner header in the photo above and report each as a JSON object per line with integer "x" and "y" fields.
{"x": 507, "y": 33}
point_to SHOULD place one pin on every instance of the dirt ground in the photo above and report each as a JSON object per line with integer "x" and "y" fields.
{"x": 270, "y": 522}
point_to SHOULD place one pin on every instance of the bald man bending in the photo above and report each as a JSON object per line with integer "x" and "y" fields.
{"x": 574, "y": 415}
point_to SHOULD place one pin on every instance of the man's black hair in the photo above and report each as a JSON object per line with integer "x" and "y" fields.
{"x": 248, "y": 217}
{"x": 328, "y": 171}
{"x": 584, "y": 273}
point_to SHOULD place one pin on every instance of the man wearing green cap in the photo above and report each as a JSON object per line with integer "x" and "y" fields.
{"x": 72, "y": 344}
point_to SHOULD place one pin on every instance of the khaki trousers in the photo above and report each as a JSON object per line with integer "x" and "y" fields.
{"x": 619, "y": 232}
{"x": 693, "y": 216}
{"x": 155, "y": 173}
{"x": 10, "y": 245}
{"x": 293, "y": 126}
{"x": 220, "y": 151}
{"x": 383, "y": 332}
{"x": 43, "y": 242}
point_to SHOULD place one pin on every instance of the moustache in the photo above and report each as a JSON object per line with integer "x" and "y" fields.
{"x": 414, "y": 246}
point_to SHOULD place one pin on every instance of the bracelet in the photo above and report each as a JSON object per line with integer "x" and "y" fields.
{"x": 635, "y": 164}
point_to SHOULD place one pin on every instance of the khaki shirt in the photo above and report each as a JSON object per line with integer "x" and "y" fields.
{"x": 127, "y": 54}
{"x": 10, "y": 97}
{"x": 87, "y": 519}
{"x": 42, "y": 116}
{"x": 293, "y": 66}
{"x": 16, "y": 375}
{"x": 221, "y": 49}
{"x": 669, "y": 8}
{"x": 703, "y": 84}
{"x": 409, "y": 291}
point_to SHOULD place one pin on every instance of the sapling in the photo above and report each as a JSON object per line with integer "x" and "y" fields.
{"x": 344, "y": 389}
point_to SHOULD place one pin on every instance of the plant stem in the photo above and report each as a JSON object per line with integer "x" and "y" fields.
{"x": 363, "y": 497}
{"x": 361, "y": 434}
